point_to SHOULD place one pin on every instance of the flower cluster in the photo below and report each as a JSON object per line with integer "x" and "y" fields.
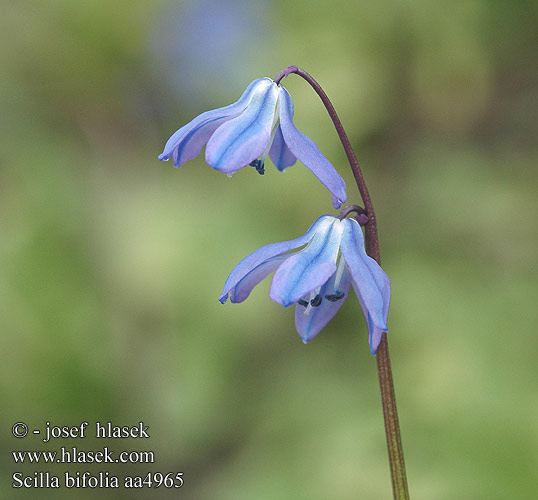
{"x": 330, "y": 257}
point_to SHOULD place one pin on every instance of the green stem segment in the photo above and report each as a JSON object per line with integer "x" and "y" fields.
{"x": 388, "y": 398}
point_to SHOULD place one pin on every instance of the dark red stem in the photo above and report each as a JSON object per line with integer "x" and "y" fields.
{"x": 388, "y": 398}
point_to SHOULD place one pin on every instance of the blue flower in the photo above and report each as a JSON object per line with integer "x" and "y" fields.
{"x": 260, "y": 123}
{"x": 318, "y": 277}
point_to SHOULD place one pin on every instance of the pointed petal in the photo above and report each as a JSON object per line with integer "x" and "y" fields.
{"x": 242, "y": 290}
{"x": 264, "y": 254}
{"x": 374, "y": 338}
{"x": 191, "y": 144}
{"x": 279, "y": 153}
{"x": 374, "y": 332}
{"x": 306, "y": 151}
{"x": 309, "y": 325}
{"x": 309, "y": 268}
{"x": 244, "y": 138}
{"x": 370, "y": 282}
{"x": 187, "y": 142}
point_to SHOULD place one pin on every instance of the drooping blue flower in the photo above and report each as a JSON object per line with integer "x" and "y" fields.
{"x": 318, "y": 277}
{"x": 244, "y": 133}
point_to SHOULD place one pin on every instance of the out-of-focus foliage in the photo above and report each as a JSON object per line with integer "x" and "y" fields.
{"x": 111, "y": 262}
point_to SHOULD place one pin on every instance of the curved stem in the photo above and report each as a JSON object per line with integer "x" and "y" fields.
{"x": 388, "y": 398}
{"x": 349, "y": 209}
{"x": 360, "y": 214}
{"x": 372, "y": 245}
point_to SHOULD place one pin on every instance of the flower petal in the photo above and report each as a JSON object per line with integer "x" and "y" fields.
{"x": 187, "y": 142}
{"x": 370, "y": 282}
{"x": 264, "y": 254}
{"x": 374, "y": 332}
{"x": 192, "y": 143}
{"x": 279, "y": 153}
{"x": 242, "y": 290}
{"x": 306, "y": 151}
{"x": 244, "y": 138}
{"x": 310, "y": 324}
{"x": 374, "y": 338}
{"x": 309, "y": 268}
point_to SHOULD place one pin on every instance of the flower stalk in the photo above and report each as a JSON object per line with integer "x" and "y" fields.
{"x": 388, "y": 398}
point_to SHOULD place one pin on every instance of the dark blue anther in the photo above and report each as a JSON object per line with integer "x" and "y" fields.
{"x": 302, "y": 302}
{"x": 258, "y": 165}
{"x": 336, "y": 296}
{"x": 316, "y": 301}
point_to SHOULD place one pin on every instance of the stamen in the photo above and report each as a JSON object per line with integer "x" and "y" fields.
{"x": 258, "y": 165}
{"x": 335, "y": 297}
{"x": 316, "y": 301}
{"x": 302, "y": 302}
{"x": 339, "y": 273}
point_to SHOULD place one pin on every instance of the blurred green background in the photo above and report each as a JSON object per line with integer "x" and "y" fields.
{"x": 111, "y": 262}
